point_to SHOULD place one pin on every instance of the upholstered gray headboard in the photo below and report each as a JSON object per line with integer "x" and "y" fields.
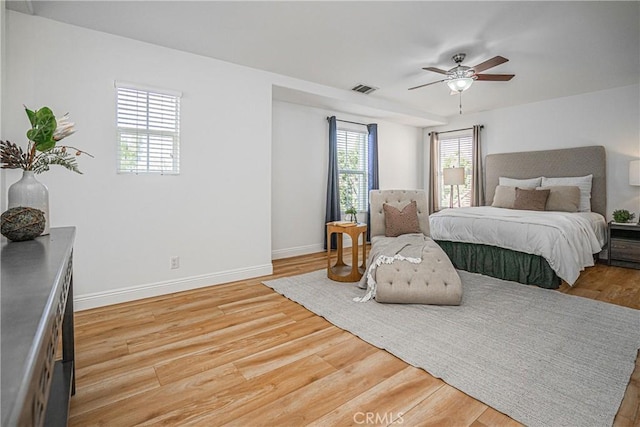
{"x": 578, "y": 161}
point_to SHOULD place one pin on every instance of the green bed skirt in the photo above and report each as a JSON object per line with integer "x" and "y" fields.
{"x": 501, "y": 263}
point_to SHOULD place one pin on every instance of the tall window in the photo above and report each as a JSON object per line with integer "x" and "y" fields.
{"x": 352, "y": 170}
{"x": 148, "y": 131}
{"x": 455, "y": 150}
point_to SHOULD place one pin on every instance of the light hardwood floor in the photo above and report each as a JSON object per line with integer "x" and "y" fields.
{"x": 241, "y": 354}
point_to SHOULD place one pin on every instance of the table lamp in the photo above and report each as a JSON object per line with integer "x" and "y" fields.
{"x": 634, "y": 172}
{"x": 634, "y": 176}
{"x": 453, "y": 176}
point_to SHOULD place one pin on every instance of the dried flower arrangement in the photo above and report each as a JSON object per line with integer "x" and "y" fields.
{"x": 42, "y": 150}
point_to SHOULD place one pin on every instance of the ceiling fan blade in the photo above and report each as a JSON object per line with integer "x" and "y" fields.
{"x": 435, "y": 70}
{"x": 489, "y": 63}
{"x": 426, "y": 84}
{"x": 495, "y": 77}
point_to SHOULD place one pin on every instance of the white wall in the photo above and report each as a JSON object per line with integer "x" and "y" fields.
{"x": 299, "y": 174}
{"x": 3, "y": 38}
{"x": 610, "y": 118}
{"x": 216, "y": 215}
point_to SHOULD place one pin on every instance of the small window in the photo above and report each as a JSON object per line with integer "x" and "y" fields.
{"x": 352, "y": 153}
{"x": 148, "y": 124}
{"x": 455, "y": 151}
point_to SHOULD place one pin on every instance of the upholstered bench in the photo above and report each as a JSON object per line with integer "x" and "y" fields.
{"x": 432, "y": 281}
{"x": 408, "y": 266}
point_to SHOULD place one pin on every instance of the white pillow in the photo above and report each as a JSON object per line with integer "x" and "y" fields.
{"x": 582, "y": 182}
{"x": 522, "y": 183}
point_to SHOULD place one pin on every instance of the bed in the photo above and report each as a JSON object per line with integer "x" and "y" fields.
{"x": 509, "y": 243}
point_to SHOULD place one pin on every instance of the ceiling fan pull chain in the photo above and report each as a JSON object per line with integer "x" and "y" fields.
{"x": 460, "y": 102}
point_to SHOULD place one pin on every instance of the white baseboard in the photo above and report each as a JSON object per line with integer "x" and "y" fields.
{"x": 299, "y": 250}
{"x": 115, "y": 296}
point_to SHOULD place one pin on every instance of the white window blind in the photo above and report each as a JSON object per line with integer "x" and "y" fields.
{"x": 455, "y": 150}
{"x": 352, "y": 169}
{"x": 148, "y": 124}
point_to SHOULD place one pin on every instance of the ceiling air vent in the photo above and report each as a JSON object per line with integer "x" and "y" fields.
{"x": 364, "y": 88}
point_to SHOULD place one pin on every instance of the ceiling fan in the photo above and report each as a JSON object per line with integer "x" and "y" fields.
{"x": 460, "y": 77}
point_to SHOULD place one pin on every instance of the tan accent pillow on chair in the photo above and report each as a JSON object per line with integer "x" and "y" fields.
{"x": 401, "y": 222}
{"x": 531, "y": 200}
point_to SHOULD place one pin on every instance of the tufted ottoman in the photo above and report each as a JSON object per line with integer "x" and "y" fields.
{"x": 432, "y": 281}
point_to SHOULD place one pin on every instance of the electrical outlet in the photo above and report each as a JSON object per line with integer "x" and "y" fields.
{"x": 174, "y": 262}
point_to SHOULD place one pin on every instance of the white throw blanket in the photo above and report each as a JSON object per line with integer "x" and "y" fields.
{"x": 566, "y": 240}
{"x": 407, "y": 247}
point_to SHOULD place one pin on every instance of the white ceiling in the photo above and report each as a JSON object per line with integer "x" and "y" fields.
{"x": 555, "y": 49}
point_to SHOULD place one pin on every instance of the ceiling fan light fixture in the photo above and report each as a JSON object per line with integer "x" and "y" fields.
{"x": 460, "y": 84}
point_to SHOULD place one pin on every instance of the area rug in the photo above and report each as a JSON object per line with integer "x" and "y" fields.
{"x": 542, "y": 357}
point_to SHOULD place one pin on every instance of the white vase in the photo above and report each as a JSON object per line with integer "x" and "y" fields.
{"x": 29, "y": 192}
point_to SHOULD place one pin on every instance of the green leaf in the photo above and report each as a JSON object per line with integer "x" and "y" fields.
{"x": 32, "y": 116}
{"x": 46, "y": 145}
{"x": 43, "y": 126}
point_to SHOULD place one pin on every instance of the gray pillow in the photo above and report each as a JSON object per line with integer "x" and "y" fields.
{"x": 562, "y": 198}
{"x": 531, "y": 199}
{"x": 522, "y": 183}
{"x": 401, "y": 222}
{"x": 504, "y": 197}
{"x": 582, "y": 182}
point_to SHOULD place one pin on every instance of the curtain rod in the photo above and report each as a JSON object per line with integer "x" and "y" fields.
{"x": 454, "y": 130}
{"x": 347, "y": 121}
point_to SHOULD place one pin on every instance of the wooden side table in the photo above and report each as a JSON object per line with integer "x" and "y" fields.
{"x": 340, "y": 271}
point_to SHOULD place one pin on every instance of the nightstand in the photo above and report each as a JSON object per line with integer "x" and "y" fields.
{"x": 624, "y": 245}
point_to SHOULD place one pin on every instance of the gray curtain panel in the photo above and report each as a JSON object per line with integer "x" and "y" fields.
{"x": 477, "y": 179}
{"x": 332, "y": 212}
{"x": 434, "y": 189}
{"x": 373, "y": 181}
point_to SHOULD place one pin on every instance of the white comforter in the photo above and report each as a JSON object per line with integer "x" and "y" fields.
{"x": 566, "y": 240}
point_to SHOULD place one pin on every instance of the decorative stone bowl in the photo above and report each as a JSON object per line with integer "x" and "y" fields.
{"x": 22, "y": 223}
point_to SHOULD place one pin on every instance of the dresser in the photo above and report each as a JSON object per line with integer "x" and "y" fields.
{"x": 37, "y": 313}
